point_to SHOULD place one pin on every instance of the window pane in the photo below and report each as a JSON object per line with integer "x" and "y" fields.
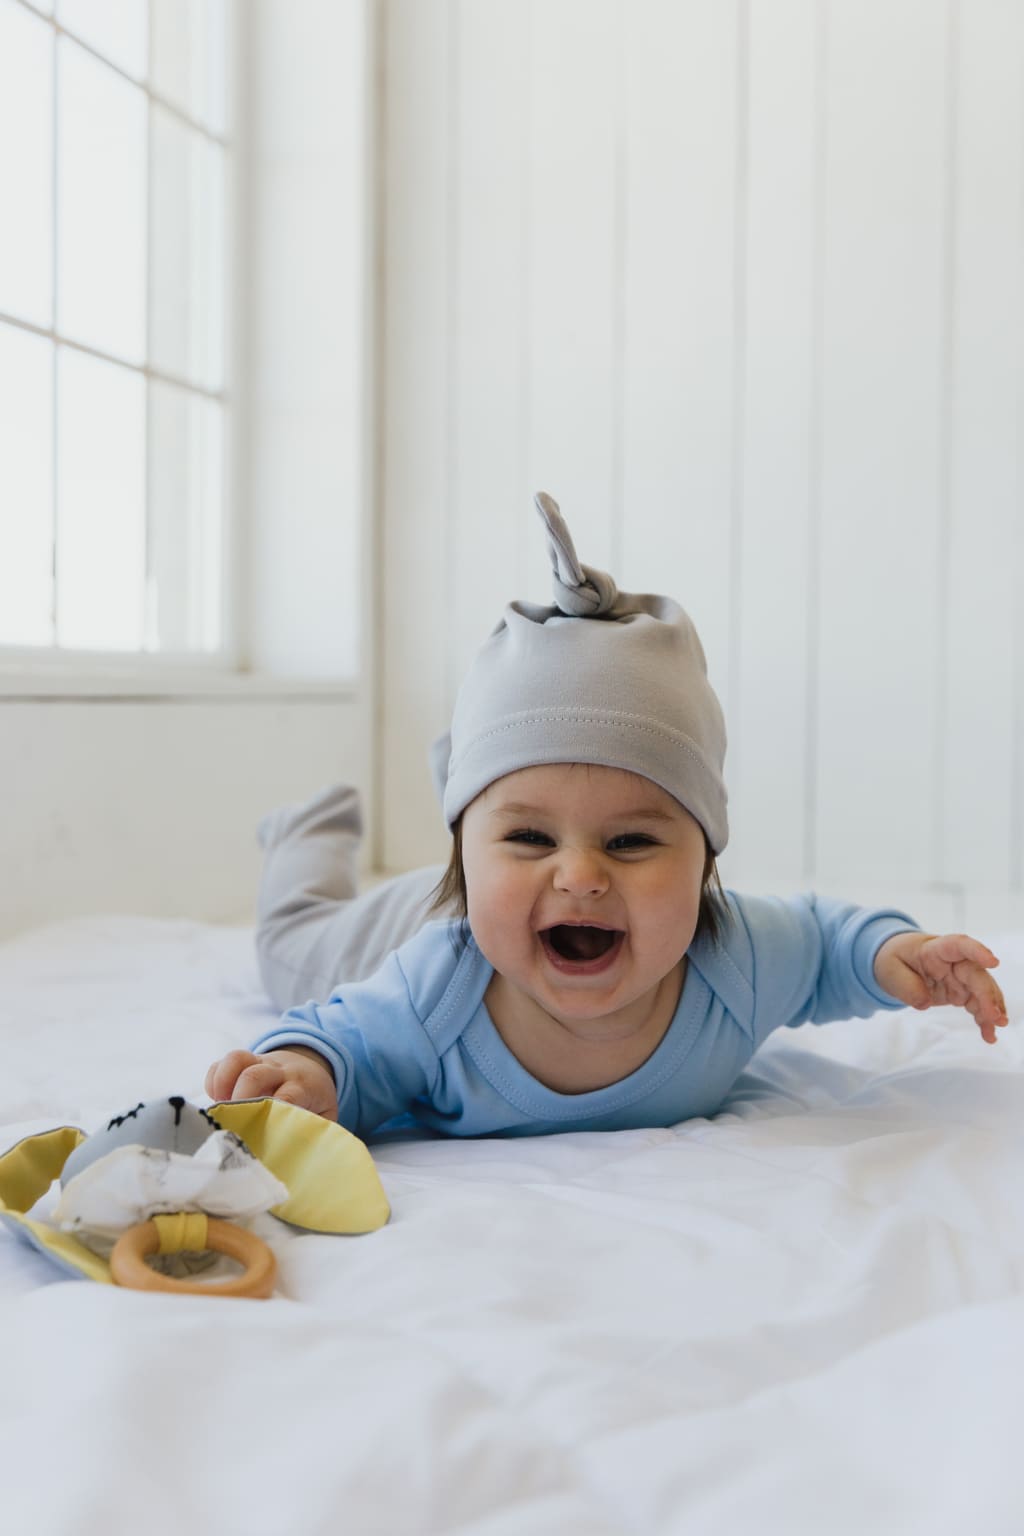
{"x": 26, "y": 488}
{"x": 211, "y": 596}
{"x": 101, "y": 287}
{"x": 26, "y": 164}
{"x": 187, "y": 58}
{"x": 116, "y": 28}
{"x": 185, "y": 566}
{"x": 186, "y": 245}
{"x": 101, "y": 504}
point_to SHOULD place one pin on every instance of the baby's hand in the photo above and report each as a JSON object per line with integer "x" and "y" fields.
{"x": 295, "y": 1074}
{"x": 923, "y": 969}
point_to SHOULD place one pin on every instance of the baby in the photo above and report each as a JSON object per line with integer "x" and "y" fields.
{"x": 594, "y": 975}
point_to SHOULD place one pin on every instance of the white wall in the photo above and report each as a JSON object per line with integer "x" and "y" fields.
{"x": 151, "y": 807}
{"x": 741, "y": 286}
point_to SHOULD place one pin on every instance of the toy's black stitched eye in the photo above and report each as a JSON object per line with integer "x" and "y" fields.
{"x": 120, "y": 1119}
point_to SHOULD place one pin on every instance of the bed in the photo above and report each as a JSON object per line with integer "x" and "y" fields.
{"x": 806, "y": 1313}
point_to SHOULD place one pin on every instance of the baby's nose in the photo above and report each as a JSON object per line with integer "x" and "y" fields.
{"x": 581, "y": 873}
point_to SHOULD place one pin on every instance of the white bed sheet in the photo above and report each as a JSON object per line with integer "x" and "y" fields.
{"x": 804, "y": 1314}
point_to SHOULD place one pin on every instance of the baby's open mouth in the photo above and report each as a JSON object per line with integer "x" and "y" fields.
{"x": 580, "y": 942}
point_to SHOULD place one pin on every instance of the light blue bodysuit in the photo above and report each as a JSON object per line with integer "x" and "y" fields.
{"x": 415, "y": 1039}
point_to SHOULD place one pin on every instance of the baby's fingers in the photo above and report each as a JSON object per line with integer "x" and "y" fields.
{"x": 949, "y": 948}
{"x": 242, "y": 1075}
{"x": 985, "y": 1000}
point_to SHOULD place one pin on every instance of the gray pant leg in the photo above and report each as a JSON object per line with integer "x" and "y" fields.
{"x": 314, "y": 931}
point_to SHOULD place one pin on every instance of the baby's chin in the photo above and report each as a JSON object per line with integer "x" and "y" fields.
{"x": 589, "y": 998}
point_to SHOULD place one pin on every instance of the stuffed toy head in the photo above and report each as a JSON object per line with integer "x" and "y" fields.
{"x": 168, "y": 1125}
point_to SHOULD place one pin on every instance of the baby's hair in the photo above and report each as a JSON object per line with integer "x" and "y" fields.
{"x": 449, "y": 898}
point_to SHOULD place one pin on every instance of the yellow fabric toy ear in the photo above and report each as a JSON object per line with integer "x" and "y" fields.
{"x": 26, "y": 1172}
{"x": 332, "y": 1182}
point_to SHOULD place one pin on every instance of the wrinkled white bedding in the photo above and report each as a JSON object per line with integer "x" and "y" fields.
{"x": 806, "y": 1314}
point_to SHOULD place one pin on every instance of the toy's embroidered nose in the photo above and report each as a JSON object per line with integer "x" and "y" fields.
{"x": 580, "y": 591}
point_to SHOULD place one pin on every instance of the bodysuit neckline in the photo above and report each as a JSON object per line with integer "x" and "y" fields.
{"x": 508, "y": 1077}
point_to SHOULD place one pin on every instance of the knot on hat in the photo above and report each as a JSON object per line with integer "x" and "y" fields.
{"x": 580, "y": 591}
{"x": 631, "y": 692}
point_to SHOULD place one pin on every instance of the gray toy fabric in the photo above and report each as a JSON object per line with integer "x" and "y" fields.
{"x": 602, "y": 676}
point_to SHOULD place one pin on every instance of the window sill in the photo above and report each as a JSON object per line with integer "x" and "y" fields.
{"x": 74, "y": 684}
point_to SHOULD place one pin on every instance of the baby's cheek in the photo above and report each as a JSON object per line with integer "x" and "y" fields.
{"x": 501, "y": 918}
{"x": 487, "y": 905}
{"x": 672, "y": 918}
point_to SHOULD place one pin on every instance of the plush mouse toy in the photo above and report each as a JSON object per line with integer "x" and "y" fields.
{"x": 180, "y": 1185}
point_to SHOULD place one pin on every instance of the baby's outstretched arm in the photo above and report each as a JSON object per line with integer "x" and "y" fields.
{"x": 924, "y": 969}
{"x": 298, "y": 1075}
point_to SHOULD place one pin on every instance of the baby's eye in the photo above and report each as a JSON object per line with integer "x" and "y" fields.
{"x": 631, "y": 840}
{"x": 529, "y": 836}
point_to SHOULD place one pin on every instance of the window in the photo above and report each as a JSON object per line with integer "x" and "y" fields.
{"x": 115, "y": 166}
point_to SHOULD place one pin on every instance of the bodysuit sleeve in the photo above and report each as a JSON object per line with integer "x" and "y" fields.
{"x": 371, "y": 1035}
{"x": 811, "y": 959}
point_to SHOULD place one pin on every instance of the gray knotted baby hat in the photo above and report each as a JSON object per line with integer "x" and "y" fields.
{"x": 604, "y": 677}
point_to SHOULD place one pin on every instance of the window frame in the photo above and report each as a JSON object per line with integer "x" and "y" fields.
{"x": 58, "y": 671}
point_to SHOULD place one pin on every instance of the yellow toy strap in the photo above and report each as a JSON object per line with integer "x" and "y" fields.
{"x": 333, "y": 1185}
{"x": 181, "y": 1231}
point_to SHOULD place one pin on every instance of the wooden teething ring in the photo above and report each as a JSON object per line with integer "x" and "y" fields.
{"x": 128, "y": 1262}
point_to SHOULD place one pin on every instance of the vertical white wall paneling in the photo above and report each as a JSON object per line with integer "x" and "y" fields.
{"x": 576, "y": 69}
{"x": 680, "y": 312}
{"x": 490, "y": 490}
{"x": 309, "y": 204}
{"x": 984, "y": 444}
{"x": 883, "y": 351}
{"x": 418, "y": 370}
{"x": 740, "y": 285}
{"x": 766, "y": 767}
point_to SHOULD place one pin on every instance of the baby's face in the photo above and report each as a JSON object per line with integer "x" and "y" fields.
{"x": 583, "y": 885}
